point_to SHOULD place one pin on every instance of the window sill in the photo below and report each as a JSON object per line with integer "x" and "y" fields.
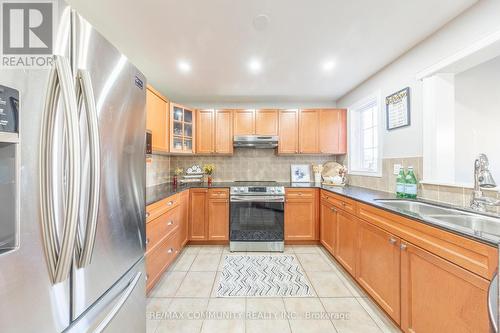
{"x": 365, "y": 174}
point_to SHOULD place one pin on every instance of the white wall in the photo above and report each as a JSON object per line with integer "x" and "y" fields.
{"x": 482, "y": 19}
{"x": 477, "y": 119}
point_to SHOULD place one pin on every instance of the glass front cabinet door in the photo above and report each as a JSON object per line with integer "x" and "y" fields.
{"x": 182, "y": 125}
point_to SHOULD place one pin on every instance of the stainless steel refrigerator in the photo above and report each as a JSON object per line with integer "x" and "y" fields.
{"x": 72, "y": 189}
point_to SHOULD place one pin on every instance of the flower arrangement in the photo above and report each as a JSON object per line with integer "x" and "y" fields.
{"x": 209, "y": 169}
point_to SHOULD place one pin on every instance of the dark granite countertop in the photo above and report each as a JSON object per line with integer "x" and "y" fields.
{"x": 364, "y": 195}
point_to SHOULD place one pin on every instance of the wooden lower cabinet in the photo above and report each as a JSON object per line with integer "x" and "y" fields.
{"x": 378, "y": 267}
{"x": 198, "y": 214}
{"x": 301, "y": 218}
{"x": 347, "y": 238}
{"x": 328, "y": 226}
{"x": 218, "y": 219}
{"x": 184, "y": 216}
{"x": 438, "y": 296}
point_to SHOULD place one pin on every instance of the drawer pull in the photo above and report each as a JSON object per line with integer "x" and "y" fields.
{"x": 171, "y": 222}
{"x": 147, "y": 277}
{"x": 170, "y": 203}
{"x": 403, "y": 247}
{"x": 147, "y": 214}
{"x": 392, "y": 241}
{"x": 147, "y": 241}
{"x": 170, "y": 250}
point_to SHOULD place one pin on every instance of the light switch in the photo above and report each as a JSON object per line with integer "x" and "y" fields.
{"x": 397, "y": 167}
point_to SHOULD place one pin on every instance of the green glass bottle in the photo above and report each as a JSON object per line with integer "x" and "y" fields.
{"x": 411, "y": 184}
{"x": 400, "y": 183}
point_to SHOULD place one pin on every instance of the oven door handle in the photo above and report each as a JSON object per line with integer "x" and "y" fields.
{"x": 257, "y": 199}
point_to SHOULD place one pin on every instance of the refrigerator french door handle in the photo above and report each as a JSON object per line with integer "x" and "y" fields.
{"x": 119, "y": 304}
{"x": 85, "y": 97}
{"x": 59, "y": 253}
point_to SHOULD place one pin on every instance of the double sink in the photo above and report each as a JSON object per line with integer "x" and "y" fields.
{"x": 470, "y": 222}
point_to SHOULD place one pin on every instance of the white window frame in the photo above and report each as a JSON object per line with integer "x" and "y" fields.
{"x": 356, "y": 107}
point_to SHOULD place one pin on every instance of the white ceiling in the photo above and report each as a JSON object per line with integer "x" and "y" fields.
{"x": 218, "y": 39}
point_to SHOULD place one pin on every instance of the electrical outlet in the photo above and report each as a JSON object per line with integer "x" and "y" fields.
{"x": 397, "y": 167}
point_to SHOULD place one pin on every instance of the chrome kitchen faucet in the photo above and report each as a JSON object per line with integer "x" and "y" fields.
{"x": 482, "y": 179}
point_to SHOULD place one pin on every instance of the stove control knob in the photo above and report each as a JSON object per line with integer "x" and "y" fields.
{"x": 235, "y": 190}
{"x": 273, "y": 190}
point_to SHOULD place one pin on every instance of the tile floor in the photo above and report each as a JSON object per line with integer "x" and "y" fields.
{"x": 185, "y": 299}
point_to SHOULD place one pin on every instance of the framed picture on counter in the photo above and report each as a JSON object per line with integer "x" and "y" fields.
{"x": 397, "y": 108}
{"x": 300, "y": 173}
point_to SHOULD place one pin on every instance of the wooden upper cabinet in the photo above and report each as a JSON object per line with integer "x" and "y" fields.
{"x": 224, "y": 131}
{"x": 378, "y": 267}
{"x": 157, "y": 120}
{"x": 333, "y": 131}
{"x": 308, "y": 131}
{"x": 438, "y": 296}
{"x": 244, "y": 122}
{"x": 347, "y": 238}
{"x": 266, "y": 122}
{"x": 218, "y": 216}
{"x": 198, "y": 226}
{"x": 205, "y": 131}
{"x": 288, "y": 132}
{"x": 182, "y": 129}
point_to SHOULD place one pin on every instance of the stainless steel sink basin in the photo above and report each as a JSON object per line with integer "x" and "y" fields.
{"x": 475, "y": 223}
{"x": 479, "y": 224}
{"x": 420, "y": 208}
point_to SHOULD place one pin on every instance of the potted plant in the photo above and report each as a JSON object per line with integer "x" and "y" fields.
{"x": 177, "y": 173}
{"x": 209, "y": 170}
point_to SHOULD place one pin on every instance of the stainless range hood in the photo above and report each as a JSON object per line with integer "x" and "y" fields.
{"x": 256, "y": 141}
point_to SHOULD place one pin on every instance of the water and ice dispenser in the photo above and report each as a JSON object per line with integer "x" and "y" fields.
{"x": 9, "y": 168}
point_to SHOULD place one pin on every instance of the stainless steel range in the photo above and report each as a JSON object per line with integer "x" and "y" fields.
{"x": 257, "y": 217}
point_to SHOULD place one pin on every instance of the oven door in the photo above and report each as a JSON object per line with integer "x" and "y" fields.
{"x": 257, "y": 219}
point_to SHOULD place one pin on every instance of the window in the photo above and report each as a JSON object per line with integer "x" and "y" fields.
{"x": 364, "y": 132}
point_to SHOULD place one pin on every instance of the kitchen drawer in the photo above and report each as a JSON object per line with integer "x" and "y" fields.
{"x": 160, "y": 257}
{"x": 339, "y": 201}
{"x": 303, "y": 193}
{"x": 162, "y": 226}
{"x": 161, "y": 207}
{"x": 476, "y": 257}
{"x": 218, "y": 193}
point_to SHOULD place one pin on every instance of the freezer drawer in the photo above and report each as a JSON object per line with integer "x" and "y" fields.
{"x": 120, "y": 309}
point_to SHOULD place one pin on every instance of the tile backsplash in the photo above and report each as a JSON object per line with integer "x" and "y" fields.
{"x": 250, "y": 164}
{"x": 454, "y": 195}
{"x": 264, "y": 164}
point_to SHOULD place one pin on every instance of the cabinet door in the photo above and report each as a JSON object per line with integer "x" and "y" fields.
{"x": 205, "y": 128}
{"x": 224, "y": 132}
{"x": 198, "y": 215}
{"x": 184, "y": 214}
{"x": 300, "y": 219}
{"x": 157, "y": 120}
{"x": 328, "y": 226}
{"x": 266, "y": 122}
{"x": 378, "y": 267}
{"x": 244, "y": 122}
{"x": 218, "y": 219}
{"x": 309, "y": 131}
{"x": 347, "y": 236}
{"x": 288, "y": 132}
{"x": 438, "y": 296}
{"x": 332, "y": 131}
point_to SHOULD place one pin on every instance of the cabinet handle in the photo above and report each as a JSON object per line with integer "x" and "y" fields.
{"x": 147, "y": 277}
{"x": 403, "y": 247}
{"x": 147, "y": 214}
{"x": 392, "y": 241}
{"x": 170, "y": 203}
{"x": 170, "y": 250}
{"x": 147, "y": 241}
{"x": 170, "y": 222}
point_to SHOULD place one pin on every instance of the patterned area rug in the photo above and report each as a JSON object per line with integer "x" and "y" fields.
{"x": 262, "y": 276}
